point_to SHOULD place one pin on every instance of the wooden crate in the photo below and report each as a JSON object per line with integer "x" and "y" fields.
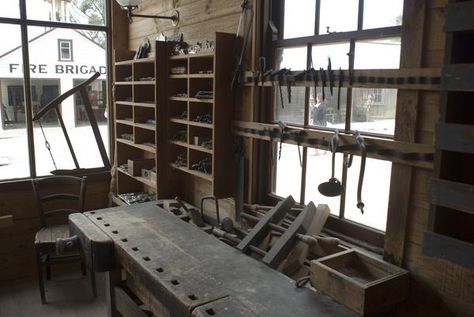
{"x": 361, "y": 282}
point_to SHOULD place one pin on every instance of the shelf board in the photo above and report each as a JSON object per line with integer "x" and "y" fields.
{"x": 200, "y": 148}
{"x": 179, "y": 76}
{"x": 140, "y": 179}
{"x": 144, "y": 82}
{"x": 192, "y": 99}
{"x": 201, "y": 124}
{"x": 448, "y": 248}
{"x": 138, "y": 146}
{"x": 193, "y": 147}
{"x": 180, "y": 121}
{"x": 126, "y": 122}
{"x": 145, "y": 60}
{"x": 186, "y": 56}
{"x": 127, "y": 62}
{"x": 455, "y": 137}
{"x": 193, "y": 172}
{"x": 183, "y": 144}
{"x": 124, "y": 103}
{"x": 118, "y": 201}
{"x": 147, "y": 126}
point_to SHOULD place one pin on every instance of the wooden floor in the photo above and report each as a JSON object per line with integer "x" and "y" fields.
{"x": 67, "y": 296}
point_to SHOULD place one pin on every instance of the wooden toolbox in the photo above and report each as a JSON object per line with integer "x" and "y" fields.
{"x": 361, "y": 282}
{"x": 135, "y": 166}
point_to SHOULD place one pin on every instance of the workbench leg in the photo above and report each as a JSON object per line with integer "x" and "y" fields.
{"x": 112, "y": 278}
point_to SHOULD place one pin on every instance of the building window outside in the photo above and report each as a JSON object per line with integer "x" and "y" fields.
{"x": 372, "y": 109}
{"x": 51, "y": 77}
{"x": 65, "y": 50}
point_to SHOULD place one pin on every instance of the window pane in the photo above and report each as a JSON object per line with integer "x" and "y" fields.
{"x": 318, "y": 170}
{"x": 382, "y": 13}
{"x": 373, "y": 110}
{"x": 10, "y": 9}
{"x": 14, "y": 158}
{"x": 326, "y": 113}
{"x": 288, "y": 171}
{"x": 338, "y": 16}
{"x": 337, "y": 53}
{"x": 299, "y": 18}
{"x": 76, "y": 11}
{"x": 51, "y": 78}
{"x": 290, "y": 112}
{"x": 293, "y": 58}
{"x": 375, "y": 193}
{"x": 378, "y": 54}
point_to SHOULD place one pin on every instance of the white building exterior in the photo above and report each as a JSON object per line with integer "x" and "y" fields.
{"x": 58, "y": 58}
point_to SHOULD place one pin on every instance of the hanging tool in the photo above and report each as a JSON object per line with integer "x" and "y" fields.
{"x": 333, "y": 187}
{"x": 323, "y": 81}
{"x": 350, "y": 55}
{"x": 47, "y": 145}
{"x": 341, "y": 79}
{"x": 331, "y": 76}
{"x": 246, "y": 5}
{"x": 363, "y": 156}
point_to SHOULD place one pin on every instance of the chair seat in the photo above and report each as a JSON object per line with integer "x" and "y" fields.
{"x": 48, "y": 235}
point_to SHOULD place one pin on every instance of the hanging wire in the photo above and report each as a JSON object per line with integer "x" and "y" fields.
{"x": 47, "y": 145}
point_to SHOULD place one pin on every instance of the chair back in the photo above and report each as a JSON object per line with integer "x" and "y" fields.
{"x": 58, "y": 196}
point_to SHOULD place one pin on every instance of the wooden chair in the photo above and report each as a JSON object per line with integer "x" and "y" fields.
{"x": 57, "y": 197}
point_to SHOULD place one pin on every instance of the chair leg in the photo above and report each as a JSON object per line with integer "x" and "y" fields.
{"x": 93, "y": 283}
{"x": 48, "y": 272}
{"x": 40, "y": 274}
{"x": 83, "y": 267}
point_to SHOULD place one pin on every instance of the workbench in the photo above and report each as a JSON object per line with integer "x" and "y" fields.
{"x": 176, "y": 269}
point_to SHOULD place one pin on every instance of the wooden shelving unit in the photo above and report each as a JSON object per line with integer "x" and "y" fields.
{"x": 450, "y": 232}
{"x": 204, "y": 72}
{"x": 137, "y": 96}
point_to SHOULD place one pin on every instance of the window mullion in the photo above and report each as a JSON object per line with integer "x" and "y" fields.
{"x": 317, "y": 17}
{"x": 26, "y": 89}
{"x": 360, "y": 16}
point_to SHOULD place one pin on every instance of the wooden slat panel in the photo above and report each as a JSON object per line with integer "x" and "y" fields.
{"x": 455, "y": 137}
{"x": 444, "y": 247}
{"x": 458, "y": 77}
{"x": 459, "y": 16}
{"x": 452, "y": 195}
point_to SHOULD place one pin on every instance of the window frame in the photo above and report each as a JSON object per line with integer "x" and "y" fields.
{"x": 24, "y": 22}
{"x": 339, "y": 225}
{"x": 60, "y": 52}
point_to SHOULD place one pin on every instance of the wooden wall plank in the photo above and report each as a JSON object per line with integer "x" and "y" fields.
{"x": 405, "y": 130}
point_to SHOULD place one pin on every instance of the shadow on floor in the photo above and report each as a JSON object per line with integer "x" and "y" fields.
{"x": 68, "y": 295}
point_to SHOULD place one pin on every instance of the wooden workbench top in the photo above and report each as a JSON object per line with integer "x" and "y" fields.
{"x": 191, "y": 272}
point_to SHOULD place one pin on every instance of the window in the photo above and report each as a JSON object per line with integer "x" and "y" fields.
{"x": 65, "y": 50}
{"x": 370, "y": 32}
{"x": 44, "y": 26}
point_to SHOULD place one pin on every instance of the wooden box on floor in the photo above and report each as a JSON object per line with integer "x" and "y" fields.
{"x": 363, "y": 283}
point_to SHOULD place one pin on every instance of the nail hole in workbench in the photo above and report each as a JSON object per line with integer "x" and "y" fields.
{"x": 92, "y": 212}
{"x": 192, "y": 297}
{"x": 135, "y": 249}
{"x": 175, "y": 282}
{"x": 124, "y": 240}
{"x": 160, "y": 270}
{"x": 99, "y": 218}
{"x": 210, "y": 312}
{"x": 115, "y": 231}
{"x": 107, "y": 225}
{"x": 145, "y": 258}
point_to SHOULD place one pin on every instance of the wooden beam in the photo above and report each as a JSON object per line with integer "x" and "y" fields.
{"x": 405, "y": 130}
{"x": 255, "y": 130}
